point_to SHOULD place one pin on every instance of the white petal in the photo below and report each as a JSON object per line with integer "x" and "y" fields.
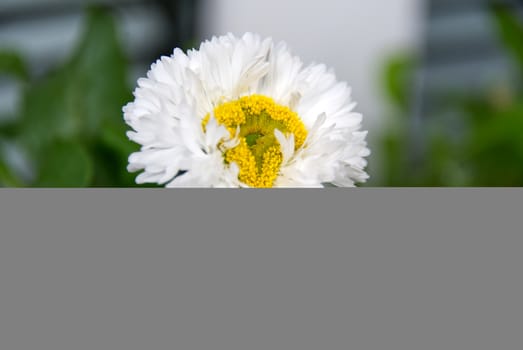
{"x": 181, "y": 90}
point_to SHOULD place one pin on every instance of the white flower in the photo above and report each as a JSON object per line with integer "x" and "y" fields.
{"x": 244, "y": 112}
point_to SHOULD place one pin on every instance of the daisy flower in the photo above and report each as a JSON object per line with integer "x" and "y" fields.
{"x": 244, "y": 112}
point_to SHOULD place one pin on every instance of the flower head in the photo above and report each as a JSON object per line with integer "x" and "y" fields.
{"x": 244, "y": 112}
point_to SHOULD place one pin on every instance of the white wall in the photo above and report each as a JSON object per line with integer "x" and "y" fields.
{"x": 352, "y": 36}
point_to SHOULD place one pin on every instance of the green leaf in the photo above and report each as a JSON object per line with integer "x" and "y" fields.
{"x": 114, "y": 149}
{"x": 74, "y": 101}
{"x": 111, "y": 168}
{"x": 510, "y": 30}
{"x": 8, "y": 129}
{"x": 113, "y": 136}
{"x": 12, "y": 64}
{"x": 100, "y": 72}
{"x": 7, "y": 177}
{"x": 64, "y": 164}
{"x": 397, "y": 80}
{"x": 48, "y": 112}
{"x": 78, "y": 101}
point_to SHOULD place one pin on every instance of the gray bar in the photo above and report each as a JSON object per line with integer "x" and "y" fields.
{"x": 364, "y": 269}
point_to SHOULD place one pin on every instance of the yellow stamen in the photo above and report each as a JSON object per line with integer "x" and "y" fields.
{"x": 258, "y": 153}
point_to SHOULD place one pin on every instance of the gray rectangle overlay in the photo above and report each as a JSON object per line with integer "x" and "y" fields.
{"x": 363, "y": 269}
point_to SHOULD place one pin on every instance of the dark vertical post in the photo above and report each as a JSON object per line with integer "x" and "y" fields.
{"x": 182, "y": 16}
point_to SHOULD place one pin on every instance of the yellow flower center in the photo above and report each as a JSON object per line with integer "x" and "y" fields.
{"x": 258, "y": 153}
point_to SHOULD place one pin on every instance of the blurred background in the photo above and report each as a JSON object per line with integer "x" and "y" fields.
{"x": 440, "y": 82}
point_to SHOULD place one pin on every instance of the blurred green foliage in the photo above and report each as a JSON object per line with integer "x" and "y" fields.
{"x": 69, "y": 123}
{"x": 483, "y": 144}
